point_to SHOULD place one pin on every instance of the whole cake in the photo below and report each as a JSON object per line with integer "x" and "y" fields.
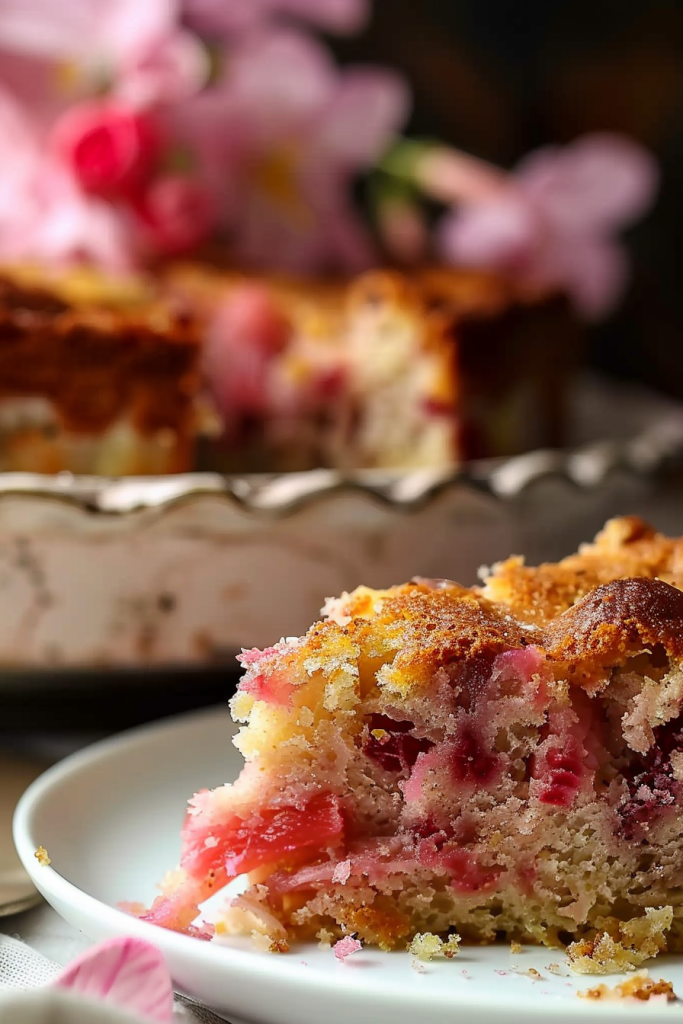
{"x": 504, "y": 760}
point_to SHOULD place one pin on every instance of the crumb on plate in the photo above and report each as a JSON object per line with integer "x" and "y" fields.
{"x": 325, "y": 938}
{"x": 426, "y": 946}
{"x": 42, "y": 857}
{"x": 640, "y": 987}
{"x": 634, "y": 942}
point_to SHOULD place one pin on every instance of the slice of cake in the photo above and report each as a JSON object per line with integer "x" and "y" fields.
{"x": 386, "y": 371}
{"x": 94, "y": 378}
{"x": 501, "y": 761}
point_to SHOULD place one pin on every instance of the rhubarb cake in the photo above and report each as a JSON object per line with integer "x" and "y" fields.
{"x": 96, "y": 377}
{"x": 387, "y": 370}
{"x": 502, "y": 760}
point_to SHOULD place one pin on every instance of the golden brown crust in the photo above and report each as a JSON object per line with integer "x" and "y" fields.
{"x": 589, "y": 613}
{"x": 615, "y": 619}
{"x": 96, "y": 362}
{"x": 639, "y": 987}
{"x": 625, "y": 547}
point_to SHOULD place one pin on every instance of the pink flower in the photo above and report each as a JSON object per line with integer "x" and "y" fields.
{"x": 110, "y": 149}
{"x": 44, "y": 215}
{"x": 225, "y": 17}
{"x": 552, "y": 223}
{"x": 137, "y": 49}
{"x": 299, "y": 130}
{"x": 177, "y": 213}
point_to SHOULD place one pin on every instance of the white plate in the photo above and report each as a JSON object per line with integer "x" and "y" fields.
{"x": 110, "y": 818}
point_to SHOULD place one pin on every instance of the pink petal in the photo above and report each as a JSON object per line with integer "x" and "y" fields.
{"x": 83, "y": 29}
{"x": 600, "y": 181}
{"x": 227, "y": 17}
{"x": 18, "y": 139}
{"x": 595, "y": 272}
{"x": 367, "y": 110}
{"x": 45, "y": 29}
{"x": 128, "y": 28}
{"x": 170, "y": 69}
{"x": 61, "y": 225}
{"x": 214, "y": 129}
{"x": 503, "y": 234}
{"x": 217, "y": 18}
{"x": 129, "y": 973}
{"x": 282, "y": 78}
{"x": 346, "y": 947}
{"x": 332, "y": 15}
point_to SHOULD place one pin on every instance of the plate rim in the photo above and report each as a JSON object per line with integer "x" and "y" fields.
{"x": 249, "y": 964}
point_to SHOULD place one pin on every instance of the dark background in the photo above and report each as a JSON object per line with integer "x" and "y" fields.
{"x": 500, "y": 77}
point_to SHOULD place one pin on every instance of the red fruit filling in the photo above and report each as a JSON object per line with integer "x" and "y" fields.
{"x": 561, "y": 780}
{"x": 469, "y": 762}
{"x": 273, "y": 689}
{"x": 391, "y": 745}
{"x": 441, "y": 853}
{"x": 651, "y": 785}
{"x": 234, "y": 847}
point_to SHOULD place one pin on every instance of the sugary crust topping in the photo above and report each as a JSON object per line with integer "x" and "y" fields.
{"x": 614, "y": 620}
{"x": 581, "y": 614}
{"x": 625, "y": 547}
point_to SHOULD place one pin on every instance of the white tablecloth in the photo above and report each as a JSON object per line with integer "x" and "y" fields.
{"x": 46, "y": 932}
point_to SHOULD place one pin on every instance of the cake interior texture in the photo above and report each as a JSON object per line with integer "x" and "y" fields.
{"x": 504, "y": 760}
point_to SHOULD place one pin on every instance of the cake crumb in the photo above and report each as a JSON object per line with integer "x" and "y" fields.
{"x": 426, "y": 946}
{"x": 530, "y": 972}
{"x": 640, "y": 987}
{"x": 639, "y": 939}
{"x": 278, "y": 946}
{"x": 42, "y": 857}
{"x": 554, "y": 969}
{"x": 417, "y": 966}
{"x": 325, "y": 938}
{"x": 265, "y": 943}
{"x": 515, "y": 947}
{"x": 258, "y": 939}
{"x": 342, "y": 872}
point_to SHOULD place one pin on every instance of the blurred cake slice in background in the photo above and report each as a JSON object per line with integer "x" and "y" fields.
{"x": 97, "y": 376}
{"x": 384, "y": 371}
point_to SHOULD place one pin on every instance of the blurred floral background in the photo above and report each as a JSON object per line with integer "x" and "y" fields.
{"x": 326, "y": 136}
{"x": 300, "y": 135}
